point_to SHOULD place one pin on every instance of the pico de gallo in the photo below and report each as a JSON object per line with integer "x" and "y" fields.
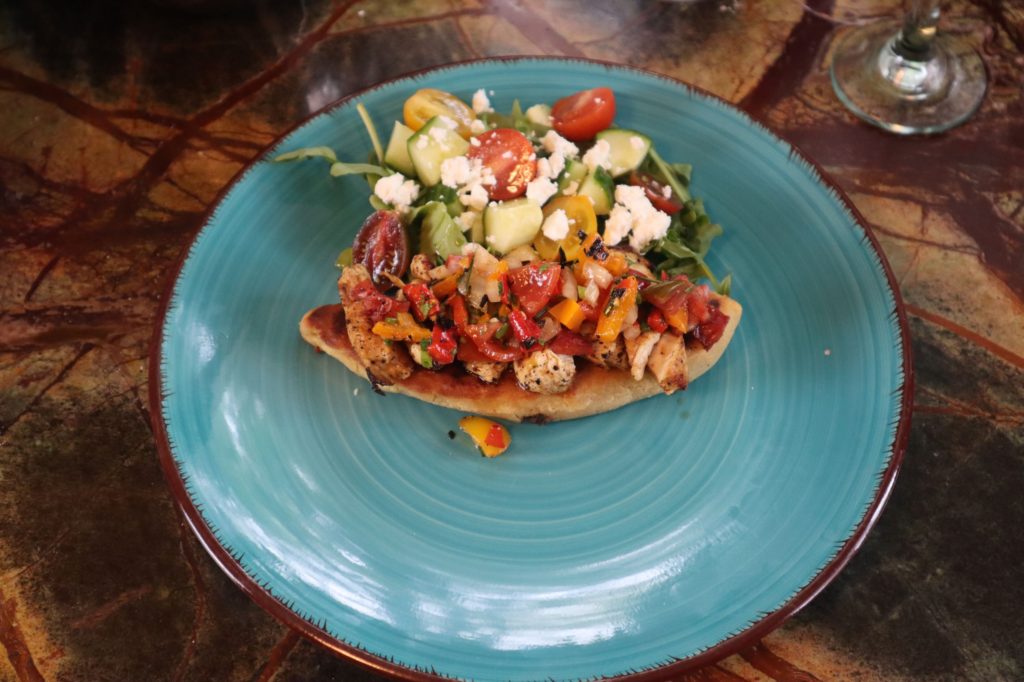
{"x": 532, "y": 240}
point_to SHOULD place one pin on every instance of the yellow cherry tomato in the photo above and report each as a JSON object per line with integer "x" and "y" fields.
{"x": 427, "y": 103}
{"x": 580, "y": 213}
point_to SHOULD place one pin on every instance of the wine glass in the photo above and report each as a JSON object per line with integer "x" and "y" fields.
{"x": 908, "y": 78}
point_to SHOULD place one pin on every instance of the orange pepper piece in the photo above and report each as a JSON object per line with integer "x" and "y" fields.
{"x": 621, "y": 299}
{"x": 569, "y": 313}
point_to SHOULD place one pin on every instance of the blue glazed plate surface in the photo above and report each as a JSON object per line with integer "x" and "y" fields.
{"x": 675, "y": 529}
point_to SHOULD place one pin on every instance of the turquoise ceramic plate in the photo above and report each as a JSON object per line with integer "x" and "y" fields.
{"x": 660, "y": 536}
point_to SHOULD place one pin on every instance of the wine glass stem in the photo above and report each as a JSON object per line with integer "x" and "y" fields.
{"x": 919, "y": 28}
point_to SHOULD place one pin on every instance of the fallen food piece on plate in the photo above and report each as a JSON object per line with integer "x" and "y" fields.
{"x": 512, "y": 272}
{"x": 489, "y": 436}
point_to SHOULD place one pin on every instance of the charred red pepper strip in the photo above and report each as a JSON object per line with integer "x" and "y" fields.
{"x": 480, "y": 335}
{"x": 656, "y": 321}
{"x": 570, "y": 343}
{"x": 424, "y": 303}
{"x": 526, "y": 330}
{"x": 460, "y": 316}
{"x": 442, "y": 345}
{"x": 377, "y": 305}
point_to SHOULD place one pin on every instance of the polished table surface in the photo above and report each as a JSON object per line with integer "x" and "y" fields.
{"x": 120, "y": 122}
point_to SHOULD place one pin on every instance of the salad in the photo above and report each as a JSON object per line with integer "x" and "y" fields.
{"x": 535, "y": 239}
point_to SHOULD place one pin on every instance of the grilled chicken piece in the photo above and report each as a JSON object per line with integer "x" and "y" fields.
{"x": 420, "y": 267}
{"x": 638, "y": 350}
{"x": 668, "y": 363}
{"x": 485, "y": 370}
{"x": 611, "y": 355}
{"x": 384, "y": 364}
{"x": 545, "y": 371}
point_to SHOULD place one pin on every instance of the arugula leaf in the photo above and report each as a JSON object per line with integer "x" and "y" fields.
{"x": 307, "y": 153}
{"x": 339, "y": 168}
{"x": 666, "y": 175}
{"x": 371, "y": 130}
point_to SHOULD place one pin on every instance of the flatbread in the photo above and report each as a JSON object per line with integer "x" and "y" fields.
{"x": 594, "y": 390}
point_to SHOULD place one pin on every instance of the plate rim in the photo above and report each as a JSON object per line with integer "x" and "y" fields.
{"x": 377, "y": 662}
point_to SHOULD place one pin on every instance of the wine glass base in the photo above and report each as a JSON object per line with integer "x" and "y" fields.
{"x": 904, "y": 96}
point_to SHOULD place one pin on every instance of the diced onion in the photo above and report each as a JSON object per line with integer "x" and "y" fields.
{"x": 480, "y": 282}
{"x": 520, "y": 255}
{"x": 597, "y": 273}
{"x": 591, "y": 293}
{"x": 549, "y": 330}
{"x": 569, "y": 290}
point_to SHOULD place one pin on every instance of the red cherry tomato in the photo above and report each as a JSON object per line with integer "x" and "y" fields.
{"x": 510, "y": 157}
{"x": 570, "y": 343}
{"x": 581, "y": 116}
{"x": 656, "y": 321}
{"x": 534, "y": 285}
{"x": 662, "y": 196}
{"x": 382, "y": 245}
{"x": 710, "y": 331}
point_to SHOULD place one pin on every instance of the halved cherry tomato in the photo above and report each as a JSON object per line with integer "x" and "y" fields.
{"x": 697, "y": 304}
{"x": 581, "y": 116}
{"x": 427, "y": 103}
{"x": 511, "y": 158}
{"x": 710, "y": 331}
{"x": 570, "y": 343}
{"x": 582, "y": 218}
{"x": 662, "y": 196}
{"x": 535, "y": 284}
{"x": 382, "y": 245}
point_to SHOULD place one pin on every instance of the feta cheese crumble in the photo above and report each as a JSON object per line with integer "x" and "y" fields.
{"x": 539, "y": 190}
{"x": 553, "y": 142}
{"x": 397, "y": 191}
{"x": 539, "y": 114}
{"x": 477, "y": 127}
{"x": 571, "y": 189}
{"x": 637, "y": 142}
{"x": 634, "y": 215}
{"x": 481, "y": 103}
{"x": 467, "y": 219}
{"x": 598, "y": 156}
{"x": 551, "y": 167}
{"x": 556, "y": 226}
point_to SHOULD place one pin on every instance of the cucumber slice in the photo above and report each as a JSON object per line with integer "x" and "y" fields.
{"x": 430, "y": 146}
{"x": 476, "y": 230}
{"x": 397, "y": 154}
{"x": 509, "y": 224}
{"x": 574, "y": 171}
{"x": 600, "y": 188}
{"x": 628, "y": 149}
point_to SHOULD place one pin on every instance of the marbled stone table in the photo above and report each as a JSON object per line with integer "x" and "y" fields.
{"x": 119, "y": 123}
